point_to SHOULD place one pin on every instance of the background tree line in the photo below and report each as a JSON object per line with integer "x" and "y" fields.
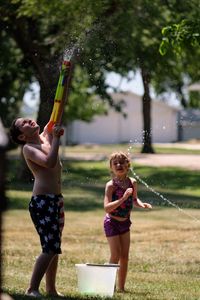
{"x": 109, "y": 35}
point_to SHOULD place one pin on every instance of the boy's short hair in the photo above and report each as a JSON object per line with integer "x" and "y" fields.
{"x": 15, "y": 132}
{"x": 120, "y": 155}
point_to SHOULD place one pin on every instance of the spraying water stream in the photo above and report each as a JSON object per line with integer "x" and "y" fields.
{"x": 77, "y": 46}
{"x": 159, "y": 194}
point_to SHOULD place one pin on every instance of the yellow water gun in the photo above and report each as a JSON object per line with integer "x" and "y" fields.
{"x": 61, "y": 94}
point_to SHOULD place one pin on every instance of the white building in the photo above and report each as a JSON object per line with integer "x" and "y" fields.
{"x": 189, "y": 124}
{"x": 114, "y": 128}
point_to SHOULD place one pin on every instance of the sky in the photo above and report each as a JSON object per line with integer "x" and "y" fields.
{"x": 31, "y": 98}
{"x": 135, "y": 85}
{"x": 31, "y": 101}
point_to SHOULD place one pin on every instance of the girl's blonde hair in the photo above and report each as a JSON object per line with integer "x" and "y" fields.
{"x": 120, "y": 155}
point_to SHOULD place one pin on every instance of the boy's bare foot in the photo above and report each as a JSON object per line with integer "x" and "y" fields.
{"x": 122, "y": 291}
{"x": 55, "y": 294}
{"x": 35, "y": 294}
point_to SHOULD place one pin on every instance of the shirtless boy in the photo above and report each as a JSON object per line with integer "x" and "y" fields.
{"x": 46, "y": 206}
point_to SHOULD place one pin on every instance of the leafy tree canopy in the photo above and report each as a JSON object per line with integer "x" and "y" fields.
{"x": 34, "y": 35}
{"x": 183, "y": 34}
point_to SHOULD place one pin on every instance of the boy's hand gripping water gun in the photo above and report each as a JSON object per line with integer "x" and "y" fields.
{"x": 61, "y": 95}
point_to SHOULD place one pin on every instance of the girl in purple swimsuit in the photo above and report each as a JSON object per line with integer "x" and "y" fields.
{"x": 120, "y": 196}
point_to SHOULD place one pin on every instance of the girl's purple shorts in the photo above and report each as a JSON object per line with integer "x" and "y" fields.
{"x": 113, "y": 227}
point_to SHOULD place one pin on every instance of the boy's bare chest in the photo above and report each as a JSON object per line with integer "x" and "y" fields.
{"x": 45, "y": 148}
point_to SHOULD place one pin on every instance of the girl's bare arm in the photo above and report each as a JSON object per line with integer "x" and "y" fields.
{"x": 137, "y": 202}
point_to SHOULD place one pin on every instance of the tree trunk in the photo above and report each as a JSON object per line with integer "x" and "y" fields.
{"x": 182, "y": 97}
{"x": 3, "y": 164}
{"x": 47, "y": 75}
{"x": 3, "y": 199}
{"x": 146, "y": 102}
{"x": 3, "y": 202}
{"x": 47, "y": 94}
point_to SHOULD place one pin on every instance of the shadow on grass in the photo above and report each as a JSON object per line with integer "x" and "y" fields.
{"x": 180, "y": 200}
{"x": 84, "y": 184}
{"x": 17, "y": 296}
{"x": 171, "y": 178}
{"x": 77, "y": 198}
{"x": 89, "y": 198}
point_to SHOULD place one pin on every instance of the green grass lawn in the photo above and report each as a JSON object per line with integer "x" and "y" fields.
{"x": 84, "y": 184}
{"x": 164, "y": 255}
{"x": 135, "y": 148}
{"x": 109, "y": 148}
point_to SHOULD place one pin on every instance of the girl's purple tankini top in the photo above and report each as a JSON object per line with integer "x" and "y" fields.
{"x": 125, "y": 208}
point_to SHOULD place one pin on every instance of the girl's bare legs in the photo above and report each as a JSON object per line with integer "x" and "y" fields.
{"x": 125, "y": 246}
{"x": 39, "y": 270}
{"x": 51, "y": 276}
{"x": 114, "y": 243}
{"x": 119, "y": 249}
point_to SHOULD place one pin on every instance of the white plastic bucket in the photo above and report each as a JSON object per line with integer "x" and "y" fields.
{"x": 96, "y": 279}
